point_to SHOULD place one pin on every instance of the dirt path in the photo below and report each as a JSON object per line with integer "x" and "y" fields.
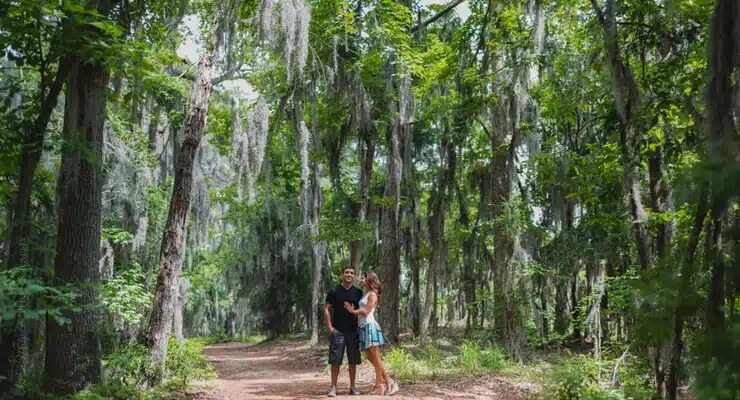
{"x": 294, "y": 370}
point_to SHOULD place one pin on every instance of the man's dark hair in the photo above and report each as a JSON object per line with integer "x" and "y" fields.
{"x": 352, "y": 267}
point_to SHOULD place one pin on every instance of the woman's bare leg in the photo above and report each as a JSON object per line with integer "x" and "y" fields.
{"x": 374, "y": 356}
{"x": 386, "y": 377}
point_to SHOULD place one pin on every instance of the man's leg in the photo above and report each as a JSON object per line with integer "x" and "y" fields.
{"x": 334, "y": 375}
{"x": 353, "y": 356}
{"x": 352, "y": 371}
{"x": 336, "y": 352}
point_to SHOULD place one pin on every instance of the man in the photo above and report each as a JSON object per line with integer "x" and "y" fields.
{"x": 343, "y": 329}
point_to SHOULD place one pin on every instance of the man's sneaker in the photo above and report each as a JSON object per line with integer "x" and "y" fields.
{"x": 332, "y": 392}
{"x": 393, "y": 390}
{"x": 354, "y": 391}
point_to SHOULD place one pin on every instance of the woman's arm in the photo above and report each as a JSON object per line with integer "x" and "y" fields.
{"x": 372, "y": 300}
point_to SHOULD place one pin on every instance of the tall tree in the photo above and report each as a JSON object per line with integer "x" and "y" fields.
{"x": 13, "y": 344}
{"x": 73, "y": 353}
{"x": 173, "y": 241}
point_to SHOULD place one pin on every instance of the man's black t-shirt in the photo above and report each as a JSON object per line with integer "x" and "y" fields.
{"x": 341, "y": 319}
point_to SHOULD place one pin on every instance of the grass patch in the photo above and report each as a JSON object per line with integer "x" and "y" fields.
{"x": 433, "y": 363}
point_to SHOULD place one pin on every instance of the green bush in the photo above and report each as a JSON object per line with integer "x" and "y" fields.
{"x": 401, "y": 362}
{"x": 218, "y": 338}
{"x": 494, "y": 359}
{"x": 574, "y": 379}
{"x": 432, "y": 357}
{"x": 222, "y": 337}
{"x": 127, "y": 296}
{"x": 125, "y": 369}
{"x": 470, "y": 356}
{"x": 187, "y": 363}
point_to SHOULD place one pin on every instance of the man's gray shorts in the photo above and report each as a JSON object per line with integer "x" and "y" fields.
{"x": 338, "y": 342}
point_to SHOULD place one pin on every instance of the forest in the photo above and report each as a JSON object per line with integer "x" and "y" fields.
{"x": 548, "y": 190}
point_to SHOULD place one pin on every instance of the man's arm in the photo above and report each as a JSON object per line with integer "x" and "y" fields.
{"x": 327, "y": 310}
{"x": 327, "y": 317}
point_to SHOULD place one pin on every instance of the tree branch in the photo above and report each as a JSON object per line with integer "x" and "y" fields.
{"x": 437, "y": 16}
{"x": 599, "y": 12}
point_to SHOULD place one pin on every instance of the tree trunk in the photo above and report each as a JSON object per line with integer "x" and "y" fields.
{"x": 317, "y": 248}
{"x": 542, "y": 288}
{"x": 687, "y": 272}
{"x": 437, "y": 205}
{"x": 562, "y": 321}
{"x": 574, "y": 305}
{"x": 722, "y": 151}
{"x": 626, "y": 99}
{"x": 73, "y": 354}
{"x": 468, "y": 255}
{"x": 390, "y": 252}
{"x": 658, "y": 196}
{"x": 503, "y": 157}
{"x": 366, "y": 175}
{"x": 13, "y": 346}
{"x": 415, "y": 269}
{"x": 173, "y": 241}
{"x": 723, "y": 155}
{"x": 177, "y": 319}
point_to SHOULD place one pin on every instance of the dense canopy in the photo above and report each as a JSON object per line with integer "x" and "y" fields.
{"x": 524, "y": 175}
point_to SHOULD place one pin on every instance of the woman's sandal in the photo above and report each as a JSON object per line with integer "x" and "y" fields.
{"x": 378, "y": 391}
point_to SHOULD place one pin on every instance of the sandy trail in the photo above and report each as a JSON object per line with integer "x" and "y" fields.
{"x": 294, "y": 370}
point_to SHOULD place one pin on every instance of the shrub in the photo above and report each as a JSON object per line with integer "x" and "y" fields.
{"x": 402, "y": 364}
{"x": 494, "y": 359}
{"x": 187, "y": 363}
{"x": 124, "y": 370}
{"x": 470, "y": 357}
{"x": 574, "y": 379}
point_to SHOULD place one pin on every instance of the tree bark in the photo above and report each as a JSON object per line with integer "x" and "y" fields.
{"x": 173, "y": 241}
{"x": 722, "y": 151}
{"x": 177, "y": 319}
{"x": 415, "y": 262}
{"x": 366, "y": 176}
{"x": 468, "y": 246}
{"x": 317, "y": 248}
{"x": 390, "y": 252}
{"x": 503, "y": 158}
{"x": 13, "y": 345}
{"x": 723, "y": 155}
{"x": 437, "y": 205}
{"x": 73, "y": 354}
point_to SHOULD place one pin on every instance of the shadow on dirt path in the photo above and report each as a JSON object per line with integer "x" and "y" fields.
{"x": 295, "y": 370}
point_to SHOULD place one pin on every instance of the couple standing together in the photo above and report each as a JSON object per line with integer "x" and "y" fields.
{"x": 344, "y": 304}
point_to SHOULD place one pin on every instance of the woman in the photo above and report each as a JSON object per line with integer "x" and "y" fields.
{"x": 371, "y": 337}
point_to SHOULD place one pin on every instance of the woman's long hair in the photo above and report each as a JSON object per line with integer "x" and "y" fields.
{"x": 372, "y": 282}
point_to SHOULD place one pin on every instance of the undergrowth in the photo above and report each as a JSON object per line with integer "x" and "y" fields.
{"x": 185, "y": 364}
{"x": 124, "y": 369}
{"x": 566, "y": 377}
{"x": 432, "y": 363}
{"x": 222, "y": 337}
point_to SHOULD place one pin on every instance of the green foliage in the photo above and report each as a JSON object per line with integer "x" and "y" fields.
{"x": 494, "y": 359}
{"x": 20, "y": 283}
{"x": 185, "y": 364}
{"x": 222, "y": 337}
{"x": 127, "y": 296}
{"x": 117, "y": 235}
{"x": 401, "y": 362}
{"x": 470, "y": 356}
{"x": 574, "y": 379}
